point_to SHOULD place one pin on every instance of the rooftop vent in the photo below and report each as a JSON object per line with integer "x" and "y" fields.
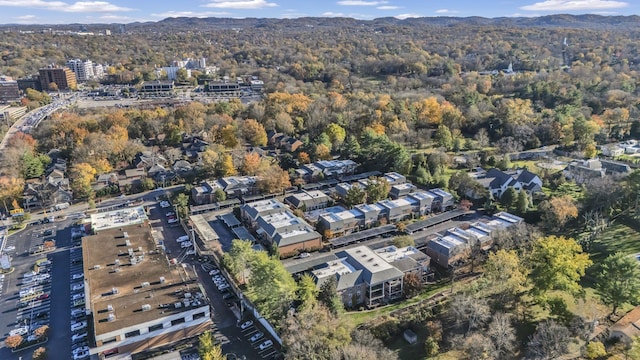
{"x": 125, "y": 234}
{"x": 114, "y": 291}
{"x": 146, "y": 307}
{"x": 116, "y": 262}
{"x": 162, "y": 280}
{"x": 140, "y": 248}
{"x": 111, "y": 317}
{"x": 145, "y": 284}
{"x": 127, "y": 242}
{"x": 134, "y": 260}
{"x": 109, "y": 307}
{"x": 130, "y": 250}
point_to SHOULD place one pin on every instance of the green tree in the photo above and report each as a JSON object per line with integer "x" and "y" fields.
{"x": 508, "y": 198}
{"x": 403, "y": 241}
{"x": 237, "y": 260}
{"x": 522, "y": 202}
{"x": 618, "y": 281}
{"x": 33, "y": 165}
{"x": 181, "y": 202}
{"x": 354, "y": 196}
{"x": 595, "y": 349}
{"x": 307, "y": 291}
{"x": 328, "y": 296}
{"x": 208, "y": 349}
{"x": 443, "y": 137}
{"x": 377, "y": 189}
{"x": 558, "y": 264}
{"x": 336, "y": 134}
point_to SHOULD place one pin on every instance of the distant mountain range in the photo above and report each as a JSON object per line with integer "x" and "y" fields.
{"x": 204, "y": 24}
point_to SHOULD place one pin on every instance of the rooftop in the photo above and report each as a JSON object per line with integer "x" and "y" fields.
{"x": 124, "y": 271}
{"x": 392, "y": 253}
{"x": 392, "y": 204}
{"x": 375, "y": 269}
{"x": 118, "y": 218}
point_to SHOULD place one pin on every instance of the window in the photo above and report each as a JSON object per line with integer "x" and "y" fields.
{"x": 198, "y": 315}
{"x": 155, "y": 327}
{"x": 132, "y": 334}
{"x": 106, "y": 341}
{"x": 177, "y": 321}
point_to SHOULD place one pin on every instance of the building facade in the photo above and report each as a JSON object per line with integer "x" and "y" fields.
{"x": 64, "y": 78}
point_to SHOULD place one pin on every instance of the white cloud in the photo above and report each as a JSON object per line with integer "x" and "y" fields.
{"x": 446, "y": 11}
{"x": 79, "y": 6}
{"x": 200, "y": 14}
{"x": 25, "y": 17}
{"x": 388, "y": 7}
{"x": 239, "y": 4}
{"x": 406, "y": 16}
{"x": 361, "y": 3}
{"x": 333, "y": 14}
{"x": 574, "y": 5}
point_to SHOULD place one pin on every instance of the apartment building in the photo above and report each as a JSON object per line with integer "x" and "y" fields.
{"x": 64, "y": 78}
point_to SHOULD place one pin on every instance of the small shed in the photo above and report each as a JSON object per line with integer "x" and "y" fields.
{"x": 410, "y": 336}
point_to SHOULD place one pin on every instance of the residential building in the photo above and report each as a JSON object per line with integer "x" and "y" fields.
{"x": 406, "y": 259}
{"x": 64, "y": 78}
{"x": 396, "y": 210}
{"x": 289, "y": 143}
{"x": 496, "y": 182}
{"x": 9, "y": 90}
{"x": 339, "y": 223}
{"x": 382, "y": 282}
{"x": 136, "y": 300}
{"x": 368, "y": 214}
{"x": 157, "y": 88}
{"x": 582, "y": 171}
{"x": 309, "y": 172}
{"x": 308, "y": 200}
{"x": 627, "y": 328}
{"x": 250, "y": 212}
{"x": 232, "y": 186}
{"x": 421, "y": 202}
{"x": 147, "y": 159}
{"x": 171, "y": 72}
{"x": 223, "y": 88}
{"x": 343, "y": 188}
{"x": 336, "y": 168}
{"x": 448, "y": 250}
{"x": 82, "y": 69}
{"x": 612, "y": 150}
{"x": 615, "y": 167}
{"x": 349, "y": 284}
{"x": 401, "y": 190}
{"x": 443, "y": 200}
{"x": 394, "y": 178}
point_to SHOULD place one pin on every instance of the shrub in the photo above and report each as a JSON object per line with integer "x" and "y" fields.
{"x": 41, "y": 331}
{"x": 595, "y": 349}
{"x": 40, "y": 353}
{"x": 431, "y": 347}
{"x": 14, "y": 341}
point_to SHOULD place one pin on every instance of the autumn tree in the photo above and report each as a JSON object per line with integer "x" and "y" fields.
{"x": 307, "y": 292}
{"x": 41, "y": 331}
{"x": 618, "y": 281}
{"x": 40, "y": 353}
{"x": 225, "y": 166}
{"x": 558, "y": 211}
{"x": 254, "y": 132}
{"x": 505, "y": 273}
{"x": 558, "y": 263}
{"x": 273, "y": 179}
{"x": 208, "y": 349}
{"x": 322, "y": 152}
{"x": 10, "y": 189}
{"x": 82, "y": 176}
{"x": 377, "y": 189}
{"x": 469, "y": 311}
{"x": 354, "y": 196}
{"x": 412, "y": 285}
{"x": 250, "y": 163}
{"x": 13, "y": 341}
{"x": 550, "y": 341}
{"x": 304, "y": 158}
{"x": 336, "y": 134}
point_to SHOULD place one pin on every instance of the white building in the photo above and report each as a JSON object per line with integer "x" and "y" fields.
{"x": 82, "y": 69}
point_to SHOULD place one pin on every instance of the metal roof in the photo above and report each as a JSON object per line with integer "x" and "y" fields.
{"x": 435, "y": 220}
{"x": 362, "y": 235}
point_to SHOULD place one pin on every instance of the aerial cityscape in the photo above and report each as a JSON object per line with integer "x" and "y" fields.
{"x": 339, "y": 180}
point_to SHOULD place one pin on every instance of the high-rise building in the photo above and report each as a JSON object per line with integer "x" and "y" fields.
{"x": 9, "y": 91}
{"x": 82, "y": 69}
{"x": 98, "y": 71}
{"x": 64, "y": 78}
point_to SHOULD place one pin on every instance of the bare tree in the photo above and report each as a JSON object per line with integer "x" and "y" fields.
{"x": 550, "y": 341}
{"x": 503, "y": 334}
{"x": 470, "y": 311}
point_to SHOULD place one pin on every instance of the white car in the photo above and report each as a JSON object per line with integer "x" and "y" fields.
{"x": 77, "y": 276}
{"x": 191, "y": 252}
{"x": 265, "y": 345}
{"x": 186, "y": 244}
{"x": 78, "y": 337}
{"x": 246, "y": 324}
{"x": 19, "y": 331}
{"x": 257, "y": 336}
{"x": 77, "y": 287}
{"x": 214, "y": 272}
{"x": 304, "y": 255}
{"x": 80, "y": 349}
{"x": 172, "y": 221}
{"x": 165, "y": 204}
{"x": 170, "y": 213}
{"x": 77, "y": 312}
{"x": 78, "y": 326}
{"x": 75, "y": 297}
{"x": 9, "y": 248}
{"x": 183, "y": 238}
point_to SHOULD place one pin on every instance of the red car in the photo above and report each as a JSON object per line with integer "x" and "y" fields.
{"x": 43, "y": 297}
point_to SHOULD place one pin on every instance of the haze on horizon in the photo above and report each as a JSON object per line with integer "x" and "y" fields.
{"x": 127, "y": 11}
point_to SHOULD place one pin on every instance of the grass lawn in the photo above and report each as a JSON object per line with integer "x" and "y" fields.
{"x": 359, "y": 317}
{"x": 407, "y": 351}
{"x": 622, "y": 236}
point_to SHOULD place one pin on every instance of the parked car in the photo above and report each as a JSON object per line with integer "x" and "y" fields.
{"x": 227, "y": 296}
{"x": 81, "y": 355}
{"x": 77, "y": 276}
{"x": 165, "y": 204}
{"x": 43, "y": 296}
{"x": 265, "y": 345}
{"x": 191, "y": 252}
{"x": 77, "y": 312}
{"x": 257, "y": 336}
{"x": 80, "y": 349}
{"x": 214, "y": 272}
{"x": 303, "y": 255}
{"x": 77, "y": 297}
{"x": 170, "y": 213}
{"x": 186, "y": 244}
{"x": 79, "y": 337}
{"x": 172, "y": 221}
{"x": 78, "y": 326}
{"x": 182, "y": 238}
{"x": 246, "y": 324}
{"x": 19, "y": 331}
{"x": 78, "y": 286}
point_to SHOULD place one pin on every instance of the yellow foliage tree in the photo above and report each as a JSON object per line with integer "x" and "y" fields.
{"x": 322, "y": 152}
{"x": 82, "y": 176}
{"x": 250, "y": 163}
{"x": 226, "y": 167}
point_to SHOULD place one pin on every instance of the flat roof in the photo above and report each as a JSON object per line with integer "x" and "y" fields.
{"x": 394, "y": 204}
{"x": 434, "y": 220}
{"x": 375, "y": 269}
{"x": 243, "y": 234}
{"x": 118, "y": 218}
{"x": 392, "y": 253}
{"x": 139, "y": 271}
{"x": 295, "y": 266}
{"x": 204, "y": 230}
{"x": 362, "y": 235}
{"x": 230, "y": 219}
{"x": 339, "y": 266}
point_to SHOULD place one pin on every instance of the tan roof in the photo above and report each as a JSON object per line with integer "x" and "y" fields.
{"x": 629, "y": 325}
{"x": 137, "y": 278}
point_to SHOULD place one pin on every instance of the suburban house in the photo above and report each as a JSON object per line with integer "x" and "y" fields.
{"x": 406, "y": 259}
{"x": 401, "y": 190}
{"x": 367, "y": 214}
{"x": 147, "y": 159}
{"x": 396, "y": 210}
{"x": 233, "y": 187}
{"x": 421, "y": 202}
{"x": 612, "y": 150}
{"x": 339, "y": 221}
{"x": 308, "y": 200}
{"x": 274, "y": 223}
{"x": 627, "y": 328}
{"x": 131, "y": 178}
{"x": 393, "y": 178}
{"x": 443, "y": 200}
{"x": 615, "y": 167}
{"x": 193, "y": 146}
{"x": 290, "y": 144}
{"x": 582, "y": 171}
{"x": 47, "y": 192}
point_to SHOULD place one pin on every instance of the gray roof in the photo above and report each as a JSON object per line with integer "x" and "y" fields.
{"x": 295, "y": 239}
{"x": 295, "y": 266}
{"x": 374, "y": 269}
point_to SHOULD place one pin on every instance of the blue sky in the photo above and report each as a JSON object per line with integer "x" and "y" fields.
{"x": 124, "y": 11}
